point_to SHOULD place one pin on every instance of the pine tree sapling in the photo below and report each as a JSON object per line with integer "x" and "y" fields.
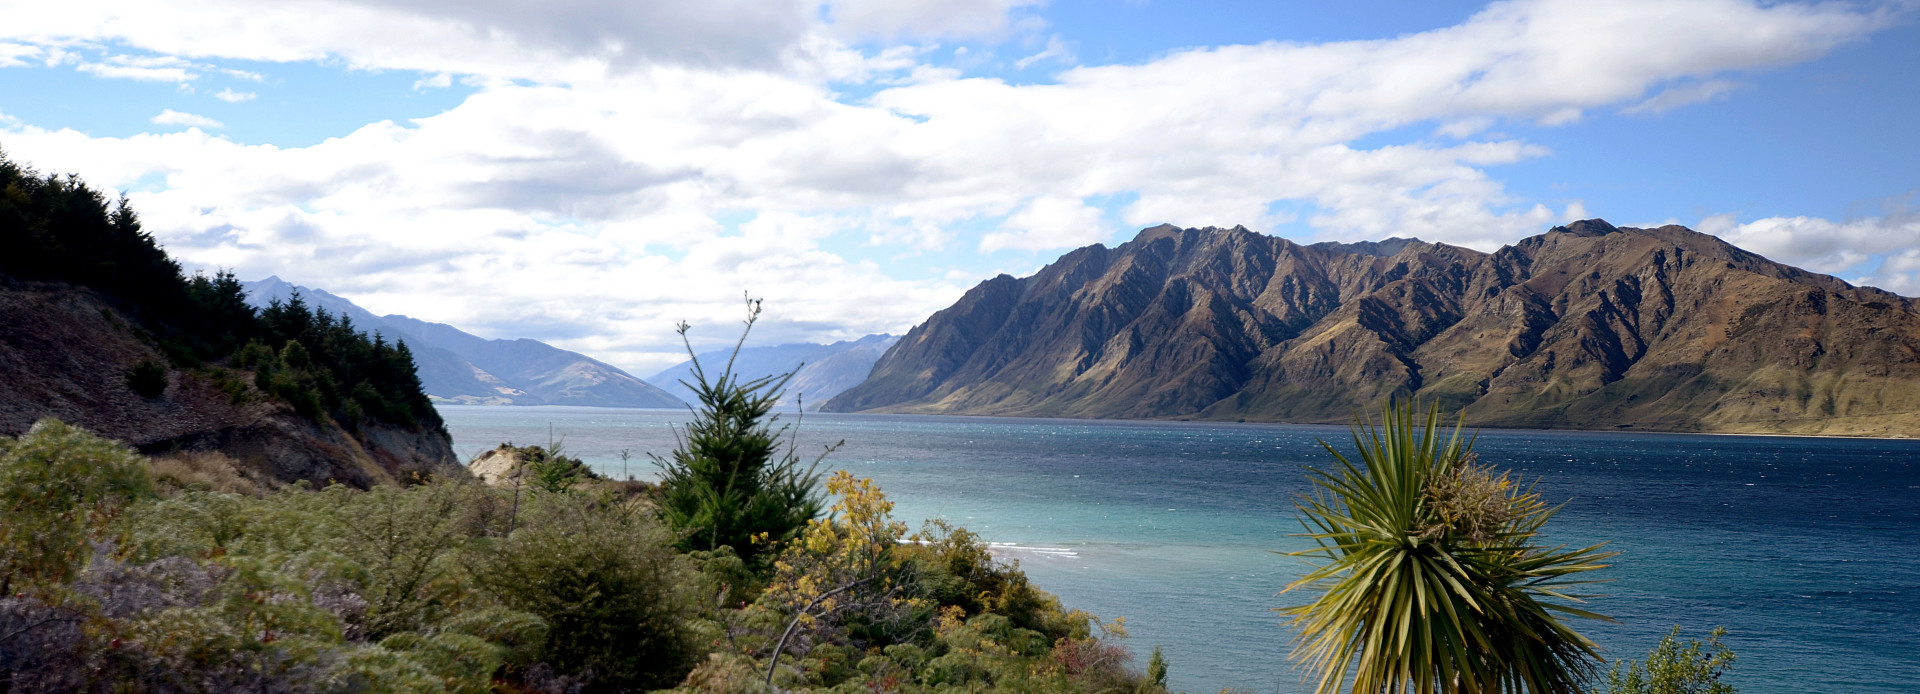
{"x": 733, "y": 481}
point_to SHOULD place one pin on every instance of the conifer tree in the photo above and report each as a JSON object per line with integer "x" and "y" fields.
{"x": 733, "y": 481}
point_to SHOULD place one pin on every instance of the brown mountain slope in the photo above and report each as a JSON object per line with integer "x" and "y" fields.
{"x": 65, "y": 352}
{"x": 1585, "y": 326}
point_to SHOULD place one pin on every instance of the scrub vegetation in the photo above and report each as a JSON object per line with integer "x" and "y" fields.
{"x": 129, "y": 574}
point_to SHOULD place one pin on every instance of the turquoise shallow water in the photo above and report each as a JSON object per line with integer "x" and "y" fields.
{"x": 1804, "y": 549}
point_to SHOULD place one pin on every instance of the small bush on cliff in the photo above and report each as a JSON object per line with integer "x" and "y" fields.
{"x": 148, "y": 379}
{"x": 733, "y": 482}
{"x": 549, "y": 469}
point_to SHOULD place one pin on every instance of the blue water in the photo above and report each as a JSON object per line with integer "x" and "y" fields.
{"x": 1804, "y": 549}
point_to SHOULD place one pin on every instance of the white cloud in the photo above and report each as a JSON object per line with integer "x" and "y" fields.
{"x": 134, "y": 72}
{"x": 580, "y": 200}
{"x": 1683, "y": 95}
{"x": 17, "y": 55}
{"x": 1049, "y": 223}
{"x": 1827, "y": 246}
{"x": 1056, "y": 50}
{"x": 146, "y": 68}
{"x": 232, "y": 97}
{"x": 543, "y": 41}
{"x": 924, "y": 18}
{"x": 172, "y": 117}
{"x": 1898, "y": 273}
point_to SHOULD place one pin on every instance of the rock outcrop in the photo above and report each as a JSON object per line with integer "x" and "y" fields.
{"x": 495, "y": 466}
{"x": 1585, "y": 326}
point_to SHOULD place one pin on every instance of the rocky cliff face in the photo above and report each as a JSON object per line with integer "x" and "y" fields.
{"x": 1585, "y": 326}
{"x": 65, "y": 352}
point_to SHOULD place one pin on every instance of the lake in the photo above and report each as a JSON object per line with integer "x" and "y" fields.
{"x": 1803, "y": 548}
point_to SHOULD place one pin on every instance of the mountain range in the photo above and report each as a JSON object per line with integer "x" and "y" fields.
{"x": 819, "y": 371}
{"x": 1585, "y": 326}
{"x": 459, "y": 367}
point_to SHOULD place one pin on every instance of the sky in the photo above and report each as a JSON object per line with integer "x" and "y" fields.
{"x": 590, "y": 173}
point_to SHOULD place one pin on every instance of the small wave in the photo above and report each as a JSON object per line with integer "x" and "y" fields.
{"x": 1040, "y": 551}
{"x": 1011, "y": 547}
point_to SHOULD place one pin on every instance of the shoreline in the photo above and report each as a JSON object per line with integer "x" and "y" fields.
{"x": 1218, "y": 422}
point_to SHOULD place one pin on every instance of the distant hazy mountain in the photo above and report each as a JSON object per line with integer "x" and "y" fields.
{"x": 824, "y": 370}
{"x": 1586, "y": 326}
{"x": 465, "y": 368}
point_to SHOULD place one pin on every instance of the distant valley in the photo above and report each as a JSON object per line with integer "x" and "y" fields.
{"x": 1586, "y": 326}
{"x": 819, "y": 371}
{"x": 459, "y": 367}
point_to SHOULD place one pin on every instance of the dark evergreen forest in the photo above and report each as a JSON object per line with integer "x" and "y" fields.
{"x": 58, "y": 229}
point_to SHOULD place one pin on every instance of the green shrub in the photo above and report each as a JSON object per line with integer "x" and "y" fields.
{"x": 464, "y": 663}
{"x": 406, "y": 541}
{"x": 551, "y": 470}
{"x": 955, "y": 568}
{"x": 227, "y": 382}
{"x": 425, "y": 589}
{"x": 254, "y": 355}
{"x": 1694, "y": 667}
{"x": 148, "y": 378}
{"x": 519, "y": 635}
{"x": 608, "y": 584}
{"x": 1157, "y": 668}
{"x": 378, "y": 670}
{"x": 59, "y": 486}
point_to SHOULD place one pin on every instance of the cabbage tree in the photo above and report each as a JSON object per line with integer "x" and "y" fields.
{"x": 1430, "y": 573}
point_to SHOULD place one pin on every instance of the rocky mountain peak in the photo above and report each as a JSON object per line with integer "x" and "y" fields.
{"x": 1155, "y": 233}
{"x": 1385, "y": 248}
{"x": 1587, "y": 228}
{"x": 1585, "y": 326}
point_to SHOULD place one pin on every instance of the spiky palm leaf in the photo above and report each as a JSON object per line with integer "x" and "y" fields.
{"x": 1410, "y": 598}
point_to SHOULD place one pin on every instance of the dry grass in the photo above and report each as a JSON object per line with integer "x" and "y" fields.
{"x": 208, "y": 470}
{"x": 629, "y": 489}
